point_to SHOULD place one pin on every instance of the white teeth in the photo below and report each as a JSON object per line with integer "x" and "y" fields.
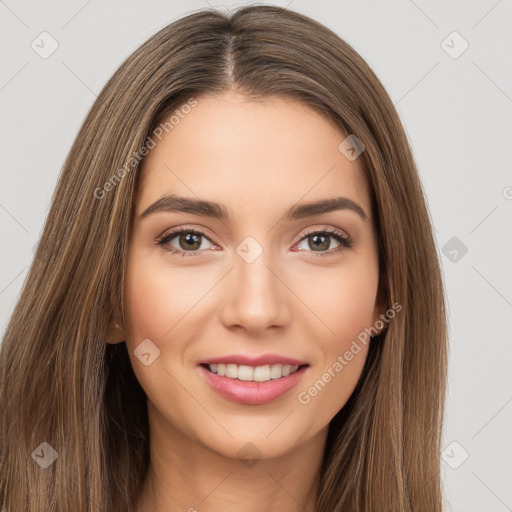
{"x": 275, "y": 371}
{"x": 251, "y": 373}
{"x": 261, "y": 373}
{"x": 244, "y": 372}
{"x": 232, "y": 371}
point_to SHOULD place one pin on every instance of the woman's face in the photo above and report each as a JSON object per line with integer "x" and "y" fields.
{"x": 255, "y": 281}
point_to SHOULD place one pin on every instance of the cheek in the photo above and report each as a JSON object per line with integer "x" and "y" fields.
{"x": 156, "y": 302}
{"x": 344, "y": 304}
{"x": 145, "y": 307}
{"x": 343, "y": 301}
{"x": 156, "y": 299}
{"x": 161, "y": 304}
{"x": 330, "y": 385}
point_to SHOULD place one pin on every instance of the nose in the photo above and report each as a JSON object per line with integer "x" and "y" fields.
{"x": 256, "y": 297}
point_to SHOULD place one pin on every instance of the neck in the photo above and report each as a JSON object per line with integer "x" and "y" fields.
{"x": 186, "y": 476}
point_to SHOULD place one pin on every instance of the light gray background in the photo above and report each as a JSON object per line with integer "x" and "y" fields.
{"x": 456, "y": 112}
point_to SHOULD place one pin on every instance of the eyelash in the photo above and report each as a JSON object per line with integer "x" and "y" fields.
{"x": 345, "y": 241}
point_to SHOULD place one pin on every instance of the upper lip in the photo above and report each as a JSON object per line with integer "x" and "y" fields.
{"x": 240, "y": 359}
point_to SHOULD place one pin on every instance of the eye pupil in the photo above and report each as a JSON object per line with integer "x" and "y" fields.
{"x": 321, "y": 245}
{"x": 190, "y": 238}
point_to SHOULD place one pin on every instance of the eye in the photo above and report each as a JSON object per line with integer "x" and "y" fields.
{"x": 189, "y": 241}
{"x": 320, "y": 241}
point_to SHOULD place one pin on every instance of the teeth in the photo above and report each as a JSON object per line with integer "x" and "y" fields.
{"x": 251, "y": 373}
{"x": 275, "y": 371}
{"x": 232, "y": 371}
{"x": 261, "y": 373}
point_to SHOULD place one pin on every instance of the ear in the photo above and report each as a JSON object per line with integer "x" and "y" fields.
{"x": 116, "y": 332}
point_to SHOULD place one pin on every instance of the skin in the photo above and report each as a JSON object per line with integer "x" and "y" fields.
{"x": 257, "y": 158}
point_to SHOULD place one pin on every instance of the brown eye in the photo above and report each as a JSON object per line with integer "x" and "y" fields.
{"x": 187, "y": 242}
{"x": 321, "y": 242}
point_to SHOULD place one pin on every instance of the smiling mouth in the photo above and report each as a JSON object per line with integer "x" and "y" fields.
{"x": 246, "y": 373}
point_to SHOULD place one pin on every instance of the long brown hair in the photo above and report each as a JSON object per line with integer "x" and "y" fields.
{"x": 61, "y": 384}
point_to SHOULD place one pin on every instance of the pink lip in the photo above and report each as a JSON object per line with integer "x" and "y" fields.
{"x": 254, "y": 361}
{"x": 249, "y": 392}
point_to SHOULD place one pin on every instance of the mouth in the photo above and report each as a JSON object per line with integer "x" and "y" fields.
{"x": 252, "y": 385}
{"x": 247, "y": 373}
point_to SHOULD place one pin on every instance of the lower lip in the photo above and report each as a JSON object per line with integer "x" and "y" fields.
{"x": 250, "y": 392}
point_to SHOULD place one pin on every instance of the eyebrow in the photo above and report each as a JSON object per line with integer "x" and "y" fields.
{"x": 175, "y": 203}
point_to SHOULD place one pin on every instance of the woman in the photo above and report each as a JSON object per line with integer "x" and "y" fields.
{"x": 236, "y": 300}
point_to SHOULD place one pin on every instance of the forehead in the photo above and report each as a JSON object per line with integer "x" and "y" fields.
{"x": 251, "y": 154}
